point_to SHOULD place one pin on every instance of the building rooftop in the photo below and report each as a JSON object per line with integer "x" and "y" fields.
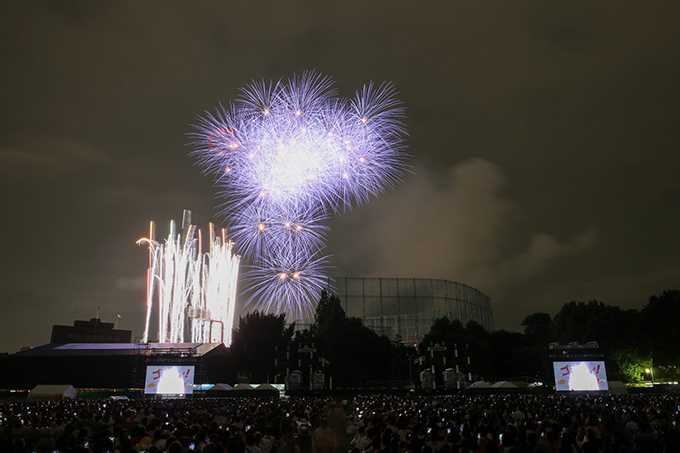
{"x": 114, "y": 349}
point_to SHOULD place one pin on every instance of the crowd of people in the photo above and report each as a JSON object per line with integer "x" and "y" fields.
{"x": 562, "y": 423}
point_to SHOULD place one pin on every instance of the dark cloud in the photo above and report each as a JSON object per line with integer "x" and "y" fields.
{"x": 543, "y": 142}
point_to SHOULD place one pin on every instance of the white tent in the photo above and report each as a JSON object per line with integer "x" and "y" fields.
{"x": 480, "y": 385}
{"x": 220, "y": 387}
{"x": 265, "y": 387}
{"x": 52, "y": 392}
{"x": 243, "y": 386}
{"x": 505, "y": 385}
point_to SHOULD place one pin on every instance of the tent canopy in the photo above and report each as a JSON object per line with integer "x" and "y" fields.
{"x": 480, "y": 385}
{"x": 49, "y": 392}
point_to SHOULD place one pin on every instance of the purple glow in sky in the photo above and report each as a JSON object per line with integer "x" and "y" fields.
{"x": 287, "y": 154}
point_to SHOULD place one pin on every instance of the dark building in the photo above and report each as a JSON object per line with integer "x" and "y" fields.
{"x": 92, "y": 331}
{"x": 111, "y": 365}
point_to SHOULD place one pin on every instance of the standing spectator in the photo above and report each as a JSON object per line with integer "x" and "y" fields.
{"x": 323, "y": 439}
{"x": 250, "y": 444}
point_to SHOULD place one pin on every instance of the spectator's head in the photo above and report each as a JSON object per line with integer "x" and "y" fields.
{"x": 175, "y": 447}
{"x": 234, "y": 445}
{"x": 145, "y": 444}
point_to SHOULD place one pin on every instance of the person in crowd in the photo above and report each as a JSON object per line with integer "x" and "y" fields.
{"x": 323, "y": 438}
{"x": 570, "y": 423}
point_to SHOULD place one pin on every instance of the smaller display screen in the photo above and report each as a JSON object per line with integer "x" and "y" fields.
{"x": 169, "y": 380}
{"x": 580, "y": 376}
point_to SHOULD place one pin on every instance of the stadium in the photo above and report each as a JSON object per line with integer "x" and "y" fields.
{"x": 406, "y": 307}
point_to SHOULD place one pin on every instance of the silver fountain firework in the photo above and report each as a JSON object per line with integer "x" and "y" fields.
{"x": 285, "y": 155}
{"x": 195, "y": 291}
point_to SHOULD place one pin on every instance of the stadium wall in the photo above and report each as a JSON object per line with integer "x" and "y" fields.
{"x": 406, "y": 307}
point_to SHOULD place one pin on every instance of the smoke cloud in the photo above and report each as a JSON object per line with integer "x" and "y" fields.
{"x": 455, "y": 227}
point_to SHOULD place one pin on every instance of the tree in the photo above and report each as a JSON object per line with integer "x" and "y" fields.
{"x": 471, "y": 340}
{"x": 329, "y": 317}
{"x": 612, "y": 327}
{"x": 444, "y": 330}
{"x": 658, "y": 320}
{"x": 631, "y": 364}
{"x": 478, "y": 342}
{"x": 572, "y": 321}
{"x": 539, "y": 328}
{"x": 617, "y": 332}
{"x": 255, "y": 341}
{"x": 514, "y": 355}
{"x": 356, "y": 353}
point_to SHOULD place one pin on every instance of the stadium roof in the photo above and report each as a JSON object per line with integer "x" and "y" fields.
{"x": 115, "y": 349}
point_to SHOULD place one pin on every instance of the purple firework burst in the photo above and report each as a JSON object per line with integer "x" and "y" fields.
{"x": 287, "y": 154}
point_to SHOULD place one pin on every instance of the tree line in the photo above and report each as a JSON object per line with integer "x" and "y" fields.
{"x": 631, "y": 342}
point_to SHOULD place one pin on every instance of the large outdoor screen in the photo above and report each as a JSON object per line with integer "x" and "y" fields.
{"x": 169, "y": 380}
{"x": 580, "y": 376}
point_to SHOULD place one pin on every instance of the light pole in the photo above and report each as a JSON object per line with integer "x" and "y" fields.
{"x": 651, "y": 372}
{"x": 410, "y": 369}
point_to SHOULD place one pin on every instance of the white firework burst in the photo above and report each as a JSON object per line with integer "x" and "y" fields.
{"x": 287, "y": 154}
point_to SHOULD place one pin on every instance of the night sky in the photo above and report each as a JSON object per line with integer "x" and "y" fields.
{"x": 542, "y": 137}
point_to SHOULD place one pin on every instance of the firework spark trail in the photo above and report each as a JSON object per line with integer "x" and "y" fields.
{"x": 195, "y": 289}
{"x": 287, "y": 154}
